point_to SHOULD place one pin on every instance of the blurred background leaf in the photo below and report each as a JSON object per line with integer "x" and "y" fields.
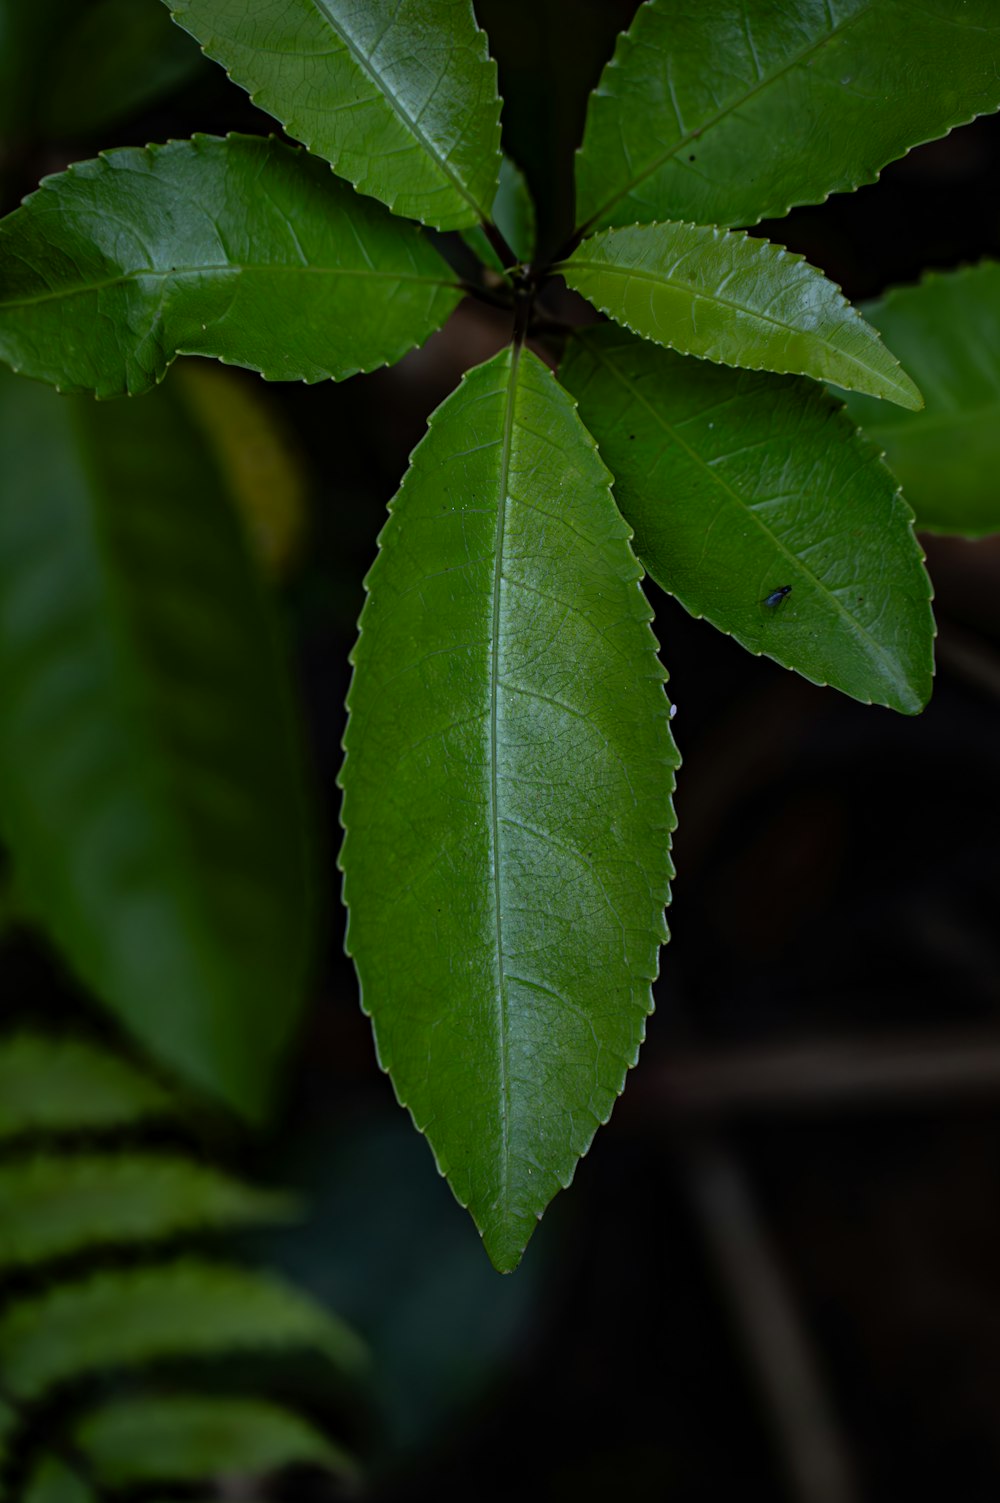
{"x": 69, "y": 68}
{"x": 946, "y": 330}
{"x": 151, "y": 782}
{"x": 96, "y": 1299}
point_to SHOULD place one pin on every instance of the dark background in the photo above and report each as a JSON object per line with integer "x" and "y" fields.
{"x": 776, "y": 1274}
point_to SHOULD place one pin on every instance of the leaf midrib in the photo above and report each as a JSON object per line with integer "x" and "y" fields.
{"x": 503, "y": 1039}
{"x": 178, "y": 273}
{"x": 395, "y": 104}
{"x": 602, "y": 357}
{"x": 662, "y": 279}
{"x": 698, "y": 131}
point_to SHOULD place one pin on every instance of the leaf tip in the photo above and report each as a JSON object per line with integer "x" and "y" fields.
{"x": 908, "y": 393}
{"x": 505, "y": 1247}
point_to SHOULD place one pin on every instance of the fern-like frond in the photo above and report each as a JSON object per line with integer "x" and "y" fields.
{"x": 55, "y": 1085}
{"x": 197, "y": 1437}
{"x": 54, "y": 1482}
{"x": 88, "y": 1200}
{"x": 52, "y": 1204}
{"x": 128, "y": 1318}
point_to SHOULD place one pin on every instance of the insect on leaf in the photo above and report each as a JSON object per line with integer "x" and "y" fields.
{"x": 756, "y": 502}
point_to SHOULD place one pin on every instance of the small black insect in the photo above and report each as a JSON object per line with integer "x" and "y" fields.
{"x": 777, "y": 596}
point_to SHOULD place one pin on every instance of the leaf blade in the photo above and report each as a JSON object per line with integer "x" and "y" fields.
{"x": 514, "y": 210}
{"x": 739, "y": 485}
{"x": 184, "y": 1438}
{"x": 239, "y": 248}
{"x": 428, "y": 154}
{"x": 60, "y": 1084}
{"x": 131, "y": 1317}
{"x": 725, "y": 297}
{"x": 718, "y": 92}
{"x": 52, "y": 1205}
{"x": 508, "y": 1044}
{"x": 948, "y": 455}
{"x": 151, "y": 783}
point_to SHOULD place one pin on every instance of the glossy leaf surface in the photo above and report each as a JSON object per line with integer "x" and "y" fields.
{"x": 507, "y": 796}
{"x": 242, "y": 249}
{"x": 400, "y": 96}
{"x": 948, "y": 456}
{"x": 198, "y": 1437}
{"x": 150, "y": 779}
{"x": 122, "y": 1318}
{"x": 741, "y": 487}
{"x": 727, "y": 297}
{"x": 53, "y": 1205}
{"x": 735, "y": 111}
{"x": 56, "y": 1084}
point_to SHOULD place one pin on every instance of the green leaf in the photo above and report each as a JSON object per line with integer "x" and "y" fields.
{"x": 947, "y": 456}
{"x": 741, "y": 485}
{"x": 8, "y": 1429}
{"x": 480, "y": 244}
{"x": 729, "y": 113}
{"x": 245, "y": 428}
{"x": 514, "y": 210}
{"x": 53, "y": 1084}
{"x": 108, "y": 60}
{"x": 724, "y": 296}
{"x": 513, "y": 214}
{"x": 507, "y": 796}
{"x": 241, "y": 248}
{"x": 400, "y": 96}
{"x": 195, "y": 1437}
{"x": 137, "y": 1316}
{"x": 150, "y": 777}
{"x": 54, "y": 1482}
{"x": 52, "y": 1205}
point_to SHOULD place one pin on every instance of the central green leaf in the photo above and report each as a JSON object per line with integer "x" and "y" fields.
{"x": 507, "y": 796}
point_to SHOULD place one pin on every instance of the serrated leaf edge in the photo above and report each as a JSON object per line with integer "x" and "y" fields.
{"x": 152, "y": 150}
{"x": 673, "y": 767}
{"x": 865, "y": 179}
{"x": 879, "y": 458}
{"x": 783, "y": 254}
{"x": 362, "y": 182}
